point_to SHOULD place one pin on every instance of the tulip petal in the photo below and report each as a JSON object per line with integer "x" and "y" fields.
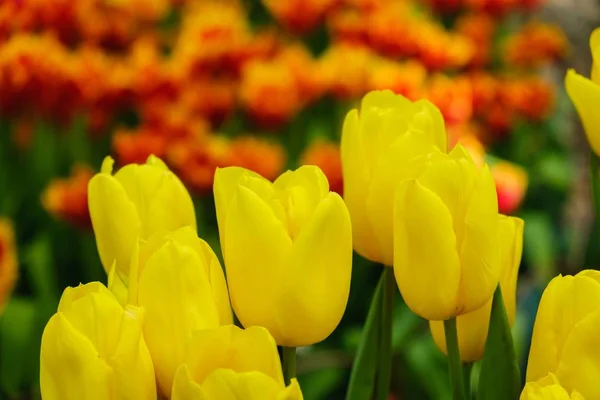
{"x": 175, "y": 293}
{"x": 426, "y": 263}
{"x": 70, "y": 367}
{"x": 403, "y": 160}
{"x": 585, "y": 95}
{"x": 356, "y": 175}
{"x": 230, "y": 347}
{"x": 510, "y": 232}
{"x": 184, "y": 387}
{"x": 578, "y": 367}
{"x": 134, "y": 372}
{"x": 117, "y": 286}
{"x": 479, "y": 250}
{"x": 432, "y": 123}
{"x": 313, "y": 287}
{"x": 115, "y": 221}
{"x": 547, "y": 388}
{"x": 565, "y": 302}
{"x": 595, "y": 48}
{"x": 224, "y": 188}
{"x": 161, "y": 200}
{"x": 256, "y": 247}
{"x": 227, "y": 385}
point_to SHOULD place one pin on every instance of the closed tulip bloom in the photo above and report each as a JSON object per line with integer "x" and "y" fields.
{"x": 178, "y": 280}
{"x": 446, "y": 247}
{"x": 382, "y": 145}
{"x": 93, "y": 348}
{"x": 473, "y": 327}
{"x": 137, "y": 201}
{"x": 229, "y": 363}
{"x": 548, "y": 388}
{"x": 566, "y": 339}
{"x": 585, "y": 94}
{"x": 287, "y": 247}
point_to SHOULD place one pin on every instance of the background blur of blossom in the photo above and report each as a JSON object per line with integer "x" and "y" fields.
{"x": 265, "y": 84}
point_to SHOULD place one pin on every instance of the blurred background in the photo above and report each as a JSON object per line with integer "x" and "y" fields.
{"x": 265, "y": 84}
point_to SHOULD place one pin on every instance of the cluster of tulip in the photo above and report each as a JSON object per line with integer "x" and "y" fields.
{"x": 164, "y": 325}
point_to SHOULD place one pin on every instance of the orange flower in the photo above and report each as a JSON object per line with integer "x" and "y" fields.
{"x": 299, "y": 61}
{"x": 535, "y": 45}
{"x": 213, "y": 35}
{"x": 348, "y": 25}
{"x": 407, "y": 79}
{"x": 66, "y": 199}
{"x": 269, "y": 93}
{"x": 440, "y": 50}
{"x": 393, "y": 30}
{"x": 511, "y": 185}
{"x": 531, "y": 97}
{"x": 134, "y": 147}
{"x": 195, "y": 160}
{"x": 453, "y": 96}
{"x": 346, "y": 69}
{"x": 8, "y": 262}
{"x": 326, "y": 155}
{"x": 259, "y": 155}
{"x": 299, "y": 16}
{"x": 480, "y": 28}
{"x": 485, "y": 88}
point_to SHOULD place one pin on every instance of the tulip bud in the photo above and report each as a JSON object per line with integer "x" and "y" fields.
{"x": 229, "y": 362}
{"x": 92, "y": 348}
{"x": 288, "y": 252}
{"x": 137, "y": 201}
{"x": 178, "y": 280}
{"x": 473, "y": 327}
{"x": 446, "y": 253}
{"x": 382, "y": 146}
{"x": 548, "y": 388}
{"x": 565, "y": 338}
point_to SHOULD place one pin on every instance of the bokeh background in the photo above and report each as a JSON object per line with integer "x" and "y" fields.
{"x": 265, "y": 84}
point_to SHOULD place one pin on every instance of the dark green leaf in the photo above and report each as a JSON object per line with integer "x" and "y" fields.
{"x": 499, "y": 378}
{"x": 364, "y": 367}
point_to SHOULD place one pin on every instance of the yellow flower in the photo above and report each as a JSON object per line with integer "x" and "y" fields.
{"x": 93, "y": 348}
{"x": 566, "y": 334}
{"x": 229, "y": 363}
{"x": 137, "y": 201}
{"x": 585, "y": 94}
{"x": 473, "y": 327}
{"x": 446, "y": 250}
{"x": 382, "y": 146}
{"x": 548, "y": 388}
{"x": 177, "y": 279}
{"x": 288, "y": 252}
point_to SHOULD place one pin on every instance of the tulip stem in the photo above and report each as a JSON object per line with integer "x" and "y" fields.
{"x": 467, "y": 369}
{"x": 385, "y": 343}
{"x": 454, "y": 364}
{"x": 595, "y": 186}
{"x": 288, "y": 361}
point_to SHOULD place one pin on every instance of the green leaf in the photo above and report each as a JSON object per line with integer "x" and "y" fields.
{"x": 539, "y": 246}
{"x": 364, "y": 367}
{"x": 499, "y": 378}
{"x": 40, "y": 268}
{"x": 20, "y": 346}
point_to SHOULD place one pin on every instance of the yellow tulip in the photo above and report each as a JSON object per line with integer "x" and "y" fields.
{"x": 585, "y": 94}
{"x": 137, "y": 201}
{"x": 446, "y": 250}
{"x": 473, "y": 327}
{"x": 229, "y": 363}
{"x": 93, "y": 348}
{"x": 566, "y": 334}
{"x": 548, "y": 388}
{"x": 178, "y": 280}
{"x": 288, "y": 252}
{"x": 382, "y": 145}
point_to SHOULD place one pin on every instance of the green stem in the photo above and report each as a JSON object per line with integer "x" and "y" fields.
{"x": 385, "y": 343}
{"x": 454, "y": 364}
{"x": 288, "y": 363}
{"x": 467, "y": 368}
{"x": 595, "y": 186}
